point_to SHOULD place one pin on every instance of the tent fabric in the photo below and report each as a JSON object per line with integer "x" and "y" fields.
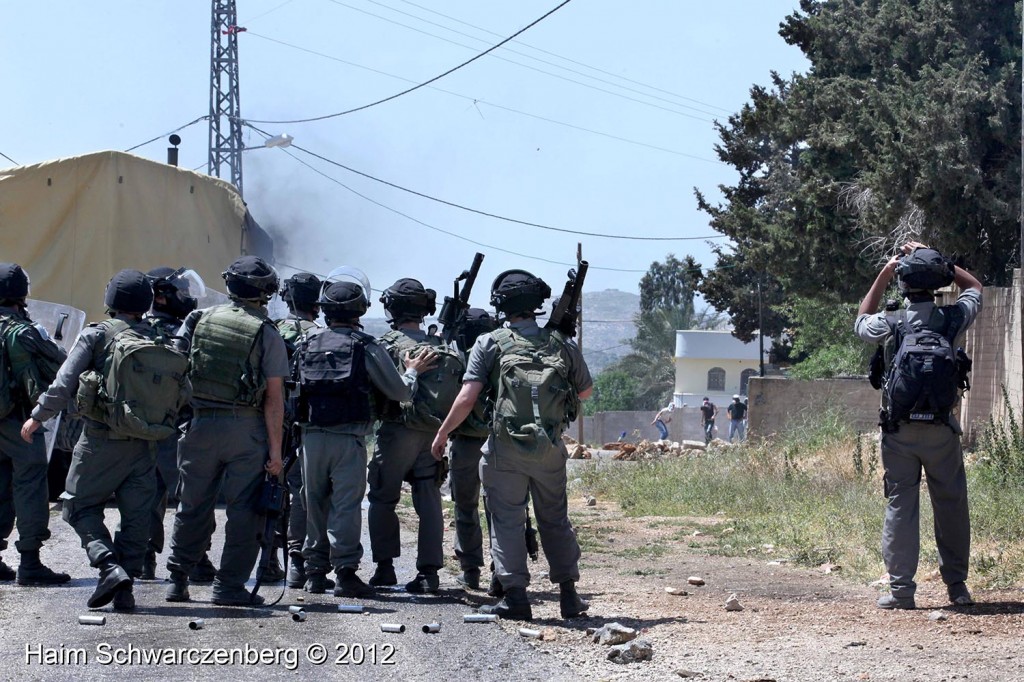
{"x": 72, "y": 223}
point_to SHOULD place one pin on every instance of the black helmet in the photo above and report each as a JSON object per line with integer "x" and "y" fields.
{"x": 518, "y": 291}
{"x": 478, "y": 321}
{"x": 343, "y": 300}
{"x": 407, "y": 299}
{"x": 301, "y": 291}
{"x": 129, "y": 291}
{"x": 174, "y": 288}
{"x": 250, "y": 278}
{"x": 14, "y": 282}
{"x": 924, "y": 270}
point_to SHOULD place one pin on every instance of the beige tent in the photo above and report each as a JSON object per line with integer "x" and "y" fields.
{"x": 72, "y": 223}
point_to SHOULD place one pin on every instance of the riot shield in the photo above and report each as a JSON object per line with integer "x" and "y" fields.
{"x": 211, "y": 297}
{"x": 61, "y": 324}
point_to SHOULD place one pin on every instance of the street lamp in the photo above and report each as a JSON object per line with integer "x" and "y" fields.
{"x": 760, "y": 327}
{"x": 281, "y": 141}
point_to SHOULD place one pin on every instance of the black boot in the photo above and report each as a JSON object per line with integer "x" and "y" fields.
{"x": 470, "y": 579}
{"x": 148, "y": 566}
{"x": 204, "y": 571}
{"x": 124, "y": 599}
{"x": 318, "y": 583}
{"x": 6, "y": 572}
{"x": 31, "y": 571}
{"x": 495, "y": 590}
{"x": 513, "y": 606}
{"x": 425, "y": 582}
{"x": 569, "y": 600}
{"x": 351, "y": 585}
{"x": 385, "y": 574}
{"x": 296, "y": 570}
{"x": 274, "y": 572}
{"x": 112, "y": 579}
{"x": 177, "y": 590}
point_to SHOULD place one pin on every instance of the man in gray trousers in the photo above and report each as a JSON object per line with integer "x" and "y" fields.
{"x": 339, "y": 370}
{"x": 912, "y": 442}
{"x": 238, "y": 365}
{"x": 535, "y": 377}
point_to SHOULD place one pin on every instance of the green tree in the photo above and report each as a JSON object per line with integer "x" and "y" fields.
{"x": 670, "y": 284}
{"x": 614, "y": 390}
{"x": 824, "y": 345}
{"x": 906, "y": 125}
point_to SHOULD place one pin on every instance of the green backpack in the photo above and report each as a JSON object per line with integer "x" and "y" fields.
{"x": 142, "y": 386}
{"x": 293, "y": 331}
{"x": 9, "y": 330}
{"x": 436, "y": 388}
{"x": 534, "y": 398}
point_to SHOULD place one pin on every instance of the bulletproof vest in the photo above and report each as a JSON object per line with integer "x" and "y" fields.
{"x": 227, "y": 355}
{"x": 292, "y": 330}
{"x": 165, "y": 326}
{"x": 333, "y": 380}
{"x": 534, "y": 399}
{"x": 141, "y": 384}
{"x": 436, "y": 388}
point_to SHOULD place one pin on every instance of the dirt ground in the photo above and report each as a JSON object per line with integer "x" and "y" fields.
{"x": 795, "y": 624}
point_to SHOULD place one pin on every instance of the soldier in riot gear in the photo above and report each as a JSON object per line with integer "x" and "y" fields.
{"x": 31, "y": 361}
{"x": 535, "y": 378}
{"x": 402, "y": 452}
{"x": 106, "y": 461}
{"x": 301, "y": 294}
{"x": 238, "y": 363}
{"x": 340, "y": 370}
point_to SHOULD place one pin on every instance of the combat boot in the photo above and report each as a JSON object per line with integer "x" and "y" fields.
{"x": 470, "y": 579}
{"x": 31, "y": 571}
{"x": 384, "y": 576}
{"x": 495, "y": 590}
{"x": 318, "y": 583}
{"x": 148, "y": 566}
{"x": 569, "y": 601}
{"x": 6, "y": 572}
{"x": 296, "y": 571}
{"x": 124, "y": 599}
{"x": 513, "y": 606}
{"x": 274, "y": 572}
{"x": 204, "y": 571}
{"x": 177, "y": 590}
{"x": 351, "y": 585}
{"x": 112, "y": 579}
{"x": 425, "y": 582}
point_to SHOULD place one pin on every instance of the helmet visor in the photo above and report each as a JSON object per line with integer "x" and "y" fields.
{"x": 347, "y": 273}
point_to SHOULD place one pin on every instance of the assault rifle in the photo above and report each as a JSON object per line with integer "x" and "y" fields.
{"x": 274, "y": 503}
{"x": 563, "y": 317}
{"x": 453, "y": 312}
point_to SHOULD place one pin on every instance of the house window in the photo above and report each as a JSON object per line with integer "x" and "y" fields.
{"x": 716, "y": 379}
{"x": 745, "y": 379}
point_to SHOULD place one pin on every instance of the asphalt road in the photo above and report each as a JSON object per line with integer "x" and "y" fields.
{"x": 41, "y": 638}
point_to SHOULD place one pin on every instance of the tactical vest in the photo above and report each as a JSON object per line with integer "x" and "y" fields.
{"x": 534, "y": 399}
{"x": 227, "y": 355}
{"x": 164, "y": 326}
{"x": 10, "y": 328}
{"x": 333, "y": 380}
{"x": 436, "y": 388}
{"x": 292, "y": 330}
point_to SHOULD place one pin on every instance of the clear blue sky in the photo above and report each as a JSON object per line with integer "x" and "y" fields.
{"x": 81, "y": 77}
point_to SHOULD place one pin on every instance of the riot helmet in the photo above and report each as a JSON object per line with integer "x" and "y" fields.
{"x": 180, "y": 290}
{"x": 407, "y": 300}
{"x": 251, "y": 278}
{"x": 518, "y": 291}
{"x": 129, "y": 291}
{"x": 14, "y": 282}
{"x": 343, "y": 301}
{"x": 924, "y": 270}
{"x": 301, "y": 291}
{"x": 478, "y": 321}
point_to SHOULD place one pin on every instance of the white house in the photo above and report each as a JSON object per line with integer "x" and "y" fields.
{"x": 714, "y": 364}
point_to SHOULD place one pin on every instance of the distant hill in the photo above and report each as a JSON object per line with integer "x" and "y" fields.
{"x": 607, "y": 326}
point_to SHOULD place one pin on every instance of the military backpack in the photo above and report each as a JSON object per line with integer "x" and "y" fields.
{"x": 436, "y": 388}
{"x": 9, "y": 330}
{"x": 227, "y": 355}
{"x": 534, "y": 398}
{"x": 141, "y": 386}
{"x": 333, "y": 381}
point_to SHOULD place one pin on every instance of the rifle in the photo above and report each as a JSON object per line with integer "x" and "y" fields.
{"x": 274, "y": 503}
{"x": 453, "y": 312}
{"x": 563, "y": 317}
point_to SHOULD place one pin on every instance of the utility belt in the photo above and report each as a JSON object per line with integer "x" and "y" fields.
{"x": 227, "y": 411}
{"x": 890, "y": 425}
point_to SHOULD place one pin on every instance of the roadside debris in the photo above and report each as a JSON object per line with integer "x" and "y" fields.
{"x": 695, "y": 580}
{"x": 637, "y": 650}
{"x": 612, "y": 634}
{"x": 733, "y": 603}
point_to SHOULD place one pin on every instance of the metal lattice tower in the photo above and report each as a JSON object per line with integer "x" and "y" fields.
{"x": 225, "y": 110}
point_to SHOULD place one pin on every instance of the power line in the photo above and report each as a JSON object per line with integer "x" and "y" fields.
{"x": 10, "y": 159}
{"x": 269, "y": 11}
{"x": 427, "y": 82}
{"x": 487, "y": 102}
{"x": 180, "y": 128}
{"x": 554, "y": 54}
{"x": 438, "y": 229}
{"x": 494, "y": 215}
{"x": 533, "y": 68}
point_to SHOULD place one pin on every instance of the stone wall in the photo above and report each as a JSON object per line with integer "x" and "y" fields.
{"x": 777, "y": 404}
{"x": 605, "y": 427}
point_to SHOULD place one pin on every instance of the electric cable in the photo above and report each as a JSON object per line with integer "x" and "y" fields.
{"x": 487, "y": 102}
{"x": 170, "y": 132}
{"x": 533, "y": 68}
{"x": 427, "y": 82}
{"x": 269, "y": 11}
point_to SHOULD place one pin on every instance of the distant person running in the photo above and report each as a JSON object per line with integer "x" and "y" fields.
{"x": 708, "y": 412}
{"x": 662, "y": 419}
{"x": 737, "y": 412}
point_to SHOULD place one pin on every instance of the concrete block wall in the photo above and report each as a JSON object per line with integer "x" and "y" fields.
{"x": 605, "y": 427}
{"x": 778, "y": 404}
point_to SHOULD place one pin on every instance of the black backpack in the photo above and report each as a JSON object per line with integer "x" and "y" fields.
{"x": 334, "y": 383}
{"x": 926, "y": 374}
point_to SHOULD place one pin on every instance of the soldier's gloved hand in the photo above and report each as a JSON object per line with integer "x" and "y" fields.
{"x": 421, "y": 363}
